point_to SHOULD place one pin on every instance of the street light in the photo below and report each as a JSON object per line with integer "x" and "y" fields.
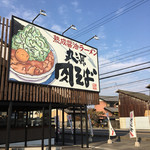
{"x": 94, "y": 37}
{"x": 72, "y": 27}
{"x": 42, "y": 12}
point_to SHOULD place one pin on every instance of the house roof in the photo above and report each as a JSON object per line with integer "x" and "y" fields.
{"x": 111, "y": 109}
{"x": 148, "y": 86}
{"x": 109, "y": 98}
{"x": 140, "y": 96}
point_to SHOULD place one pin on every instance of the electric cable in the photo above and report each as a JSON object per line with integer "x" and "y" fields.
{"x": 86, "y": 27}
{"x": 123, "y": 73}
{"x": 139, "y": 49}
{"x": 125, "y": 68}
{"x": 126, "y": 59}
{"x": 106, "y": 21}
{"x": 111, "y": 18}
{"x": 137, "y": 81}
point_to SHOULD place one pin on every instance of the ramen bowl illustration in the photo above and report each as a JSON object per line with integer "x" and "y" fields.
{"x": 32, "y": 57}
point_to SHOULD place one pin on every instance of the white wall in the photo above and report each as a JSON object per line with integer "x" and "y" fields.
{"x": 141, "y": 122}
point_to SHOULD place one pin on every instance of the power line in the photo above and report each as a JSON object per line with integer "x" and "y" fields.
{"x": 86, "y": 31}
{"x": 139, "y": 49}
{"x": 137, "y": 81}
{"x": 123, "y": 73}
{"x": 86, "y": 27}
{"x": 125, "y": 58}
{"x": 108, "y": 20}
{"x": 125, "y": 68}
{"x": 111, "y": 18}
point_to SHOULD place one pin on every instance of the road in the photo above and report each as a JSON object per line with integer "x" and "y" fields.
{"x": 119, "y": 132}
{"x": 99, "y": 141}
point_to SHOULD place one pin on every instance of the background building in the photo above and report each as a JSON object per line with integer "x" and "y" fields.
{"x": 137, "y": 102}
{"x": 108, "y": 104}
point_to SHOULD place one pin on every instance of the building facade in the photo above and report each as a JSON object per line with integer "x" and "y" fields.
{"x": 108, "y": 104}
{"x": 137, "y": 102}
{"x": 129, "y": 101}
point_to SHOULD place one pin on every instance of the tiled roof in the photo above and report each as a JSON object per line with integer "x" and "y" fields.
{"x": 111, "y": 109}
{"x": 109, "y": 98}
{"x": 140, "y": 96}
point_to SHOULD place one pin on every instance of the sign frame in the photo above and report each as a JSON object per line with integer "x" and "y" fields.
{"x": 37, "y": 26}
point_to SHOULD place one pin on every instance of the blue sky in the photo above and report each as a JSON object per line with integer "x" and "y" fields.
{"x": 126, "y": 33}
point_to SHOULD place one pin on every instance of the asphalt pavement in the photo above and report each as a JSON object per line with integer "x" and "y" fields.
{"x": 124, "y": 145}
{"x": 99, "y": 142}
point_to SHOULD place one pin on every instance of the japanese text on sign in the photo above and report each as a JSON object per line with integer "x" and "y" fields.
{"x": 66, "y": 71}
{"x": 71, "y": 44}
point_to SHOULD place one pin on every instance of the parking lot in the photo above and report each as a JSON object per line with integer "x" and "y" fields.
{"x": 101, "y": 144}
{"x": 98, "y": 142}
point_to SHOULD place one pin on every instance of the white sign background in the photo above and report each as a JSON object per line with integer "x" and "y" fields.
{"x": 132, "y": 130}
{"x": 111, "y": 130}
{"x": 82, "y": 58}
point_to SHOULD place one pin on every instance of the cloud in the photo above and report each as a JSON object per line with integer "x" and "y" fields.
{"x": 119, "y": 11}
{"x": 19, "y": 11}
{"x": 8, "y": 4}
{"x": 78, "y": 10}
{"x": 101, "y": 33}
{"x": 102, "y": 46}
{"x": 114, "y": 83}
{"x": 5, "y": 2}
{"x": 57, "y": 28}
{"x": 75, "y": 4}
{"x": 62, "y": 9}
{"x": 117, "y": 44}
{"x": 25, "y": 14}
{"x": 109, "y": 50}
{"x": 110, "y": 65}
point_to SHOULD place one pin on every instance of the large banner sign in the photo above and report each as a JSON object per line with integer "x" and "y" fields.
{"x": 41, "y": 56}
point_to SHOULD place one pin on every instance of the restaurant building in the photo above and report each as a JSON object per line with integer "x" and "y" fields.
{"x": 40, "y": 71}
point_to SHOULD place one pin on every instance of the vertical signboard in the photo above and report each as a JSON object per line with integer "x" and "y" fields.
{"x": 132, "y": 130}
{"x": 90, "y": 123}
{"x": 111, "y": 130}
{"x": 70, "y": 122}
{"x": 41, "y": 56}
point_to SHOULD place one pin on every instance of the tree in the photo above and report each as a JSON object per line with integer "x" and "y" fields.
{"x": 95, "y": 116}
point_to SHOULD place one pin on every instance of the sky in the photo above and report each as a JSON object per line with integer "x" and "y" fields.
{"x": 123, "y": 28}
